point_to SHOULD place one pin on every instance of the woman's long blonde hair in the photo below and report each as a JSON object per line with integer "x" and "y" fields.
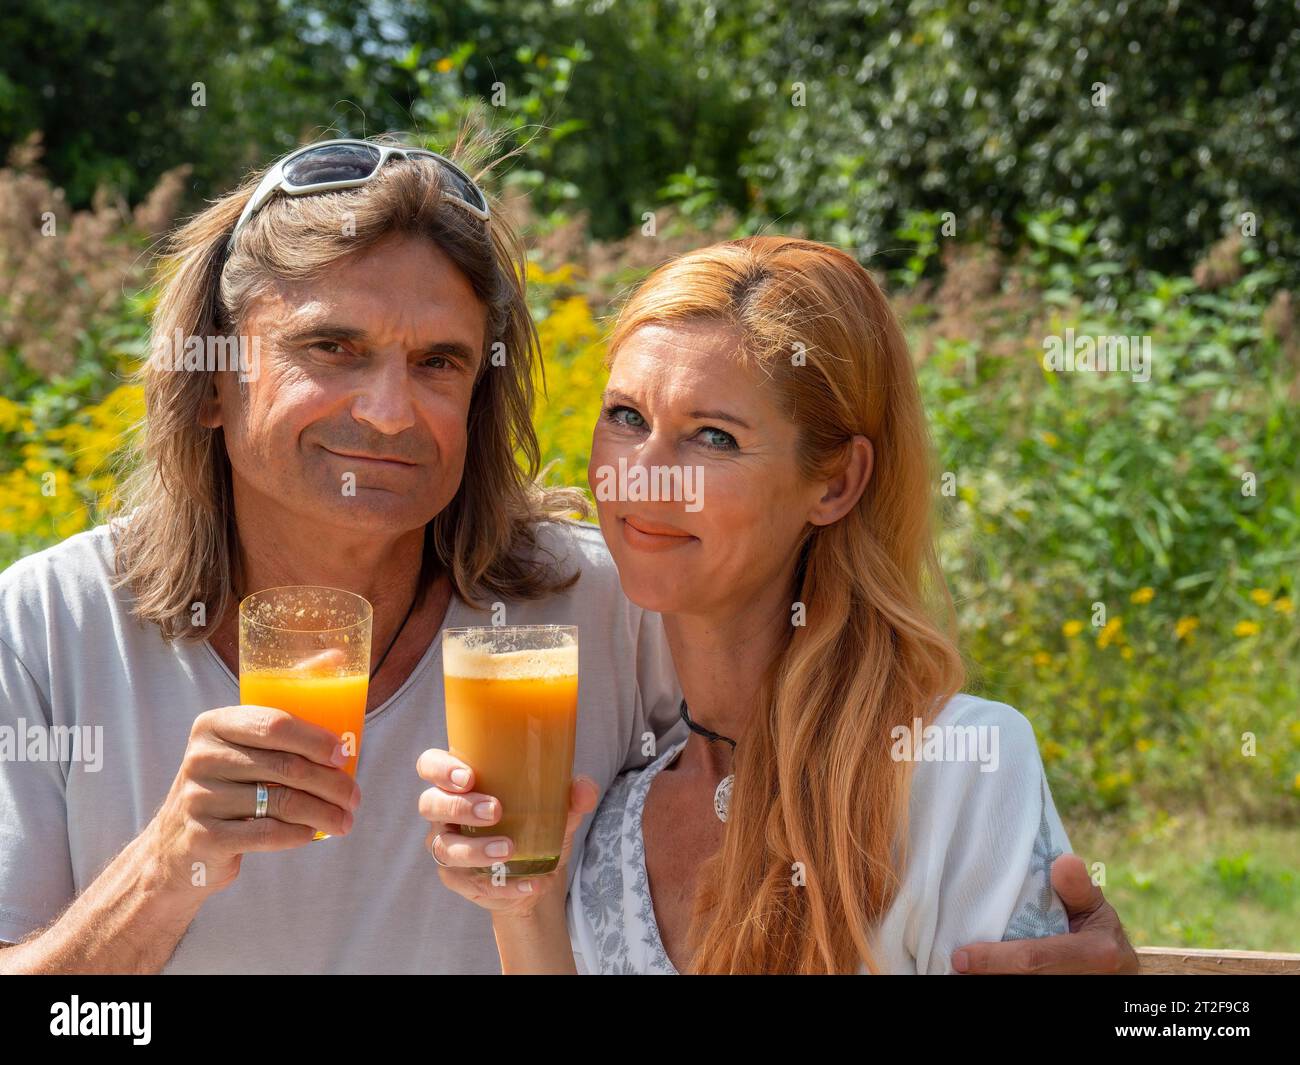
{"x": 816, "y": 789}
{"x": 180, "y": 547}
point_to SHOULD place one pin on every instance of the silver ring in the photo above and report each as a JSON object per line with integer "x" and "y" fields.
{"x": 263, "y": 795}
{"x": 433, "y": 849}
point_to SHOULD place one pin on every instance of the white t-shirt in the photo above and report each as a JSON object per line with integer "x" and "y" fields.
{"x": 73, "y": 657}
{"x": 981, "y": 848}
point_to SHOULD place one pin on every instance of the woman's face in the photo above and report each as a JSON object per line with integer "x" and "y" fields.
{"x": 683, "y": 419}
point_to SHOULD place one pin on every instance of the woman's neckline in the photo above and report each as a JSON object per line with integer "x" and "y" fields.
{"x": 650, "y": 772}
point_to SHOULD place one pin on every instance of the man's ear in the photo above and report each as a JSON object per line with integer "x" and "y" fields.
{"x": 843, "y": 491}
{"x": 210, "y": 415}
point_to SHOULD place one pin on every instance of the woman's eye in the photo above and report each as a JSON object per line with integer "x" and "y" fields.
{"x": 716, "y": 438}
{"x": 625, "y": 416}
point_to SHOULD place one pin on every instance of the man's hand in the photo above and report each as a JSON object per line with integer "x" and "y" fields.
{"x": 1095, "y": 944}
{"x": 208, "y": 815}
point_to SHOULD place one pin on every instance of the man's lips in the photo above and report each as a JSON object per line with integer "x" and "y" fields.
{"x": 391, "y": 460}
{"x": 652, "y": 536}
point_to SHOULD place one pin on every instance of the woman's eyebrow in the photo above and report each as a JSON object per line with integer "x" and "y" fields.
{"x": 720, "y": 416}
{"x": 613, "y": 395}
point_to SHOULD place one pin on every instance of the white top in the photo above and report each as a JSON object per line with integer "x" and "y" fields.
{"x": 982, "y": 835}
{"x": 74, "y": 659}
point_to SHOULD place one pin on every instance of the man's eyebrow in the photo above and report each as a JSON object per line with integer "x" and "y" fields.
{"x": 330, "y": 331}
{"x": 613, "y": 395}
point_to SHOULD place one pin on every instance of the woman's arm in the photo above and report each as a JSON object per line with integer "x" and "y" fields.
{"x": 536, "y": 943}
{"x": 528, "y": 913}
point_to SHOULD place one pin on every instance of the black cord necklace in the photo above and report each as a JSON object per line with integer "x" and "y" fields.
{"x": 409, "y": 611}
{"x": 722, "y": 794}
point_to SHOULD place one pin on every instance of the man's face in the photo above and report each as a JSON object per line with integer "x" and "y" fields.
{"x": 357, "y": 417}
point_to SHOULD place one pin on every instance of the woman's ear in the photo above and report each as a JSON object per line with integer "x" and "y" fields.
{"x": 842, "y": 492}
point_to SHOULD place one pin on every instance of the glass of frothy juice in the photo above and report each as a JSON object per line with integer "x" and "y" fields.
{"x": 512, "y": 713}
{"x": 306, "y": 650}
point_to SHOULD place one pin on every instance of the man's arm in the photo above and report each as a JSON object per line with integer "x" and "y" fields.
{"x": 133, "y": 915}
{"x": 1095, "y": 943}
{"x": 128, "y": 921}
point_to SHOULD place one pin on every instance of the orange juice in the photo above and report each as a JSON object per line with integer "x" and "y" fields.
{"x": 337, "y": 703}
{"x": 512, "y": 717}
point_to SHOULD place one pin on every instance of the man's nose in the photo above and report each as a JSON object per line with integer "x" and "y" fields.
{"x": 384, "y": 401}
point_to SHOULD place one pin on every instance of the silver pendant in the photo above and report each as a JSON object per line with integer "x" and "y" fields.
{"x": 722, "y": 796}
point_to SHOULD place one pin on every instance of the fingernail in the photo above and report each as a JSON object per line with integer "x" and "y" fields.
{"x": 960, "y": 962}
{"x": 526, "y": 886}
{"x": 347, "y": 822}
{"x": 338, "y": 757}
{"x": 483, "y": 811}
{"x": 497, "y": 850}
{"x": 356, "y": 796}
{"x": 460, "y": 777}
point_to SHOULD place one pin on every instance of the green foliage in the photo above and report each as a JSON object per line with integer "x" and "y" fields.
{"x": 992, "y": 111}
{"x": 1174, "y": 503}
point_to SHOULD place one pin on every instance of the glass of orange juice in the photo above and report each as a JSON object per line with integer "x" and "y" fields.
{"x": 306, "y": 650}
{"x": 512, "y": 714}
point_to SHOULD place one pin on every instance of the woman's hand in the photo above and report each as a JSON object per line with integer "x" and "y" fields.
{"x": 452, "y": 802}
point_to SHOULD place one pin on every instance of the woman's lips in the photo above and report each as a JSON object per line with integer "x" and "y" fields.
{"x": 645, "y": 535}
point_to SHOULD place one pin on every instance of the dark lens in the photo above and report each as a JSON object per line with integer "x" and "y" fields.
{"x": 333, "y": 162}
{"x": 460, "y": 184}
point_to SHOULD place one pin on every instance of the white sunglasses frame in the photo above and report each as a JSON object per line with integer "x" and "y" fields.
{"x": 275, "y": 181}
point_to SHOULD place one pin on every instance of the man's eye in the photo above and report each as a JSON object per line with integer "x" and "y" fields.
{"x": 437, "y": 362}
{"x": 330, "y": 347}
{"x": 625, "y": 416}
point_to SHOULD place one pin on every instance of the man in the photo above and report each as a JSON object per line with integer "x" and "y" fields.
{"x": 366, "y": 439}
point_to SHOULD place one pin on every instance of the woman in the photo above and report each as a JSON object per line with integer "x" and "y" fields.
{"x": 856, "y": 836}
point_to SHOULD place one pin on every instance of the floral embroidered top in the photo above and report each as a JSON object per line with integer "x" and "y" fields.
{"x": 982, "y": 835}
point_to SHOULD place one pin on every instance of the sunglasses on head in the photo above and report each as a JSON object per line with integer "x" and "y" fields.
{"x": 347, "y": 163}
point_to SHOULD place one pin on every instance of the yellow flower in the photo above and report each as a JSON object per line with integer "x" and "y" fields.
{"x": 444, "y": 65}
{"x": 1127, "y": 654}
{"x": 561, "y": 275}
{"x": 1245, "y": 628}
{"x": 1144, "y": 745}
{"x": 1142, "y": 595}
{"x": 1110, "y": 633}
{"x": 1042, "y": 658}
{"x": 11, "y": 415}
{"x": 1282, "y": 604}
{"x": 1262, "y": 596}
{"x": 1050, "y": 439}
{"x": 1185, "y": 627}
{"x": 1072, "y": 628}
